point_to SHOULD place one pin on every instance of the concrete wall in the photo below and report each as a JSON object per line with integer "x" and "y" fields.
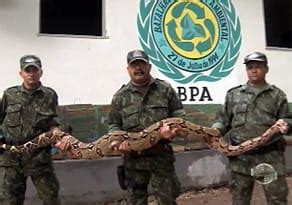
{"x": 92, "y": 182}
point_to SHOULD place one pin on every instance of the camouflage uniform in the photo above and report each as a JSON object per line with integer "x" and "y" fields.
{"x": 133, "y": 111}
{"x": 247, "y": 113}
{"x": 26, "y": 114}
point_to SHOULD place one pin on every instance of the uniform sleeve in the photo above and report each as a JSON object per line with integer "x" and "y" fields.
{"x": 114, "y": 117}
{"x": 175, "y": 105}
{"x": 3, "y": 105}
{"x": 224, "y": 116}
{"x": 55, "y": 120}
{"x": 283, "y": 107}
{"x": 2, "y": 108}
{"x": 284, "y": 112}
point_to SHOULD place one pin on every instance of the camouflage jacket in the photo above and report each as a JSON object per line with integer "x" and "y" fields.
{"x": 133, "y": 111}
{"x": 24, "y": 115}
{"x": 247, "y": 114}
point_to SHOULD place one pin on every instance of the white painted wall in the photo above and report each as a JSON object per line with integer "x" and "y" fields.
{"x": 86, "y": 70}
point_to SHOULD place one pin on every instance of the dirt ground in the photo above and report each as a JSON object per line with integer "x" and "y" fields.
{"x": 214, "y": 196}
{"x": 221, "y": 196}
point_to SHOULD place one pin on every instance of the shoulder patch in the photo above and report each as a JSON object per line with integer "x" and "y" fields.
{"x": 121, "y": 89}
{"x": 234, "y": 88}
{"x": 50, "y": 89}
{"x": 279, "y": 89}
{"x": 163, "y": 82}
{"x": 275, "y": 87}
{"x": 13, "y": 88}
{"x": 122, "y": 86}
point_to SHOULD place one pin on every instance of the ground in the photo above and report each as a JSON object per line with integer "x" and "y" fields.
{"x": 215, "y": 196}
{"x": 221, "y": 196}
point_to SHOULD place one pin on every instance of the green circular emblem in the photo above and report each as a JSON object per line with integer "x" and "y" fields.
{"x": 190, "y": 41}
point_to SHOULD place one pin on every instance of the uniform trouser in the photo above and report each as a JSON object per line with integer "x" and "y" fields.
{"x": 241, "y": 187}
{"x": 14, "y": 186}
{"x": 165, "y": 184}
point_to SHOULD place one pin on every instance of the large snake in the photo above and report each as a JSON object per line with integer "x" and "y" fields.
{"x": 138, "y": 141}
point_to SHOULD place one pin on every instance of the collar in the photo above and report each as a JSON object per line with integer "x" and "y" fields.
{"x": 247, "y": 88}
{"x": 131, "y": 87}
{"x": 40, "y": 88}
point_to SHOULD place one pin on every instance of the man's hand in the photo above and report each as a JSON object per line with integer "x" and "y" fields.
{"x": 124, "y": 147}
{"x": 64, "y": 144}
{"x": 168, "y": 133}
{"x": 283, "y": 126}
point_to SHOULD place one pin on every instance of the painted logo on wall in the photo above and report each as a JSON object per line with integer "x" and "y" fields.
{"x": 190, "y": 40}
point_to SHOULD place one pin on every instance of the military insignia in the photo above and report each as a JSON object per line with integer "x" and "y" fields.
{"x": 190, "y": 40}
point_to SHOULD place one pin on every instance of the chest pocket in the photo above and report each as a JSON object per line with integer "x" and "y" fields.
{"x": 42, "y": 118}
{"x": 239, "y": 115}
{"x": 266, "y": 113}
{"x": 158, "y": 111}
{"x": 13, "y": 113}
{"x": 130, "y": 117}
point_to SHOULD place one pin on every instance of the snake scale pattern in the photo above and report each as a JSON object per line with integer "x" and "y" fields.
{"x": 138, "y": 141}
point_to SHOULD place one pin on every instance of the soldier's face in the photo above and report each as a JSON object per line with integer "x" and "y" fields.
{"x": 31, "y": 77}
{"x": 139, "y": 72}
{"x": 256, "y": 72}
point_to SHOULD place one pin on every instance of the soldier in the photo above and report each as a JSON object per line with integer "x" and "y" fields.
{"x": 138, "y": 104}
{"x": 248, "y": 111}
{"x": 26, "y": 111}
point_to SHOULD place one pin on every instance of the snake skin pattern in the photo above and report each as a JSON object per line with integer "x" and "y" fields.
{"x": 138, "y": 141}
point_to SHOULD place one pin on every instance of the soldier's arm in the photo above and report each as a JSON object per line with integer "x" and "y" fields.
{"x": 223, "y": 117}
{"x": 284, "y": 112}
{"x": 114, "y": 117}
{"x": 65, "y": 143}
{"x": 54, "y": 122}
{"x": 175, "y": 105}
{"x": 2, "y": 116}
{"x": 2, "y": 108}
{"x": 175, "y": 110}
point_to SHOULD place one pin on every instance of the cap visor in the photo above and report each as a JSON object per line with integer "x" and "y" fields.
{"x": 257, "y": 60}
{"x": 138, "y": 58}
{"x": 31, "y": 64}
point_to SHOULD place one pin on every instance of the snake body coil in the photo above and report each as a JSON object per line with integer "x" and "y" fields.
{"x": 138, "y": 141}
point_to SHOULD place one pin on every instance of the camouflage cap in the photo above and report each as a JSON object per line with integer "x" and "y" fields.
{"x": 30, "y": 60}
{"x": 137, "y": 55}
{"x": 255, "y": 56}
